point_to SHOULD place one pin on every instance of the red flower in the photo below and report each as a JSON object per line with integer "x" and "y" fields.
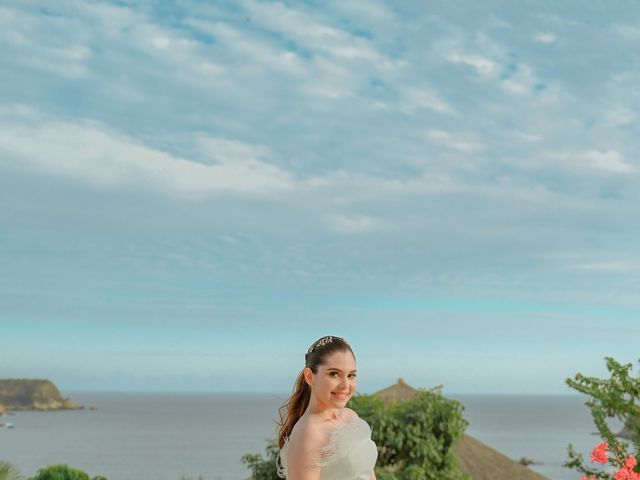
{"x": 599, "y": 454}
{"x": 584, "y": 477}
{"x": 630, "y": 462}
{"x": 622, "y": 474}
{"x": 626, "y": 474}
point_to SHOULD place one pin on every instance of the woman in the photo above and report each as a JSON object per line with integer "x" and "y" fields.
{"x": 321, "y": 439}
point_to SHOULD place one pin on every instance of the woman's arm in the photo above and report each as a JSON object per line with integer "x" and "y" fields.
{"x": 303, "y": 473}
{"x": 373, "y": 475}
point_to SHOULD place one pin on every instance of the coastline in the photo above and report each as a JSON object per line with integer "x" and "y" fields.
{"x": 130, "y": 431}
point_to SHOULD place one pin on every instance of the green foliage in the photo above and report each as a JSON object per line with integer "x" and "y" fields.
{"x": 414, "y": 438}
{"x": 264, "y": 468}
{"x": 63, "y": 472}
{"x": 615, "y": 397}
{"x": 9, "y": 472}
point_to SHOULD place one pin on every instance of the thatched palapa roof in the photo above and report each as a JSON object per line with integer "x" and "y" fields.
{"x": 400, "y": 391}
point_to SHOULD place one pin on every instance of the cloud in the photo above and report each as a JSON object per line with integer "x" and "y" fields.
{"x": 323, "y": 62}
{"x": 608, "y": 267}
{"x": 608, "y": 161}
{"x": 90, "y": 42}
{"x": 251, "y": 47}
{"x": 529, "y": 137}
{"x": 494, "y": 61}
{"x": 460, "y": 142}
{"x": 352, "y": 225}
{"x": 97, "y": 154}
{"x": 482, "y": 65}
{"x": 545, "y": 38}
{"x": 63, "y": 54}
{"x": 628, "y": 32}
{"x": 316, "y": 36}
{"x": 520, "y": 80}
{"x": 619, "y": 116}
{"x": 372, "y": 12}
{"x": 416, "y": 98}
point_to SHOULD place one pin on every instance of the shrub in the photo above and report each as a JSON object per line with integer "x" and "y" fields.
{"x": 63, "y": 472}
{"x": 414, "y": 437}
{"x": 264, "y": 468}
{"x": 9, "y": 472}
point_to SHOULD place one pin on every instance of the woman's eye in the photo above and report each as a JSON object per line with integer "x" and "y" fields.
{"x": 353, "y": 375}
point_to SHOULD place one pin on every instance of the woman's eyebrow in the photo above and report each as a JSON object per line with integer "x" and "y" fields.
{"x": 333, "y": 368}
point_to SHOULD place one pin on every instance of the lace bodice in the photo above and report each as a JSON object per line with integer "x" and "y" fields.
{"x": 350, "y": 453}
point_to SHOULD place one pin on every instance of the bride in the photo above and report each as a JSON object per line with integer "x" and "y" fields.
{"x": 320, "y": 438}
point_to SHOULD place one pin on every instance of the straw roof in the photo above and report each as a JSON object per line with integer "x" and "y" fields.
{"x": 400, "y": 391}
{"x": 475, "y": 459}
{"x": 482, "y": 462}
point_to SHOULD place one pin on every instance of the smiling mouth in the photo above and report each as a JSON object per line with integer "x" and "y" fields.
{"x": 340, "y": 396}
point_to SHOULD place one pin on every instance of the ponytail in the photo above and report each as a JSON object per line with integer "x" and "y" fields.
{"x": 294, "y": 408}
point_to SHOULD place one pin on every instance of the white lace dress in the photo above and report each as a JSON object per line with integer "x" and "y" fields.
{"x": 349, "y": 455}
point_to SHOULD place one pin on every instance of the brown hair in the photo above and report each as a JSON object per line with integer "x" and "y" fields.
{"x": 297, "y": 403}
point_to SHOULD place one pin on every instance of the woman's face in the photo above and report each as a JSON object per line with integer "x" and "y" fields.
{"x": 335, "y": 382}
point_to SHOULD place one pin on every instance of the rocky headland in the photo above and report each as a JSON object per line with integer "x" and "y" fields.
{"x": 28, "y": 394}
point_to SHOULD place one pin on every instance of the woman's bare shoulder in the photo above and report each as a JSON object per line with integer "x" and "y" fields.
{"x": 306, "y": 436}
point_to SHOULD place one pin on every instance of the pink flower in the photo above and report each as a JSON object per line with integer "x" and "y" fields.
{"x": 599, "y": 454}
{"x": 630, "y": 462}
{"x": 626, "y": 474}
{"x": 622, "y": 474}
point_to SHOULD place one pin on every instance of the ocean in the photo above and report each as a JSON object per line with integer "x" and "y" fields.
{"x": 142, "y": 436}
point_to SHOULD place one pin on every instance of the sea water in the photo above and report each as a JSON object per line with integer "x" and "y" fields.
{"x": 136, "y": 436}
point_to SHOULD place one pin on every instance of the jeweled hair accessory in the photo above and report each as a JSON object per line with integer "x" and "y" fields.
{"x": 322, "y": 342}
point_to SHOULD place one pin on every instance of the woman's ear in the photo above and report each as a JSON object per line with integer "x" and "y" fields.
{"x": 308, "y": 376}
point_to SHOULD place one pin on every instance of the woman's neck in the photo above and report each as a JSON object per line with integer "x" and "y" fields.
{"x": 328, "y": 414}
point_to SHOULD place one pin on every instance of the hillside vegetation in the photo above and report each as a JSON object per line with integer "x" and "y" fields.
{"x": 28, "y": 394}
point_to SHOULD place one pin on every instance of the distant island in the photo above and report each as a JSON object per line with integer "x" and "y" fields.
{"x": 28, "y": 394}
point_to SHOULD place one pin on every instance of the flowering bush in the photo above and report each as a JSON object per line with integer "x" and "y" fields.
{"x": 617, "y": 397}
{"x": 625, "y": 464}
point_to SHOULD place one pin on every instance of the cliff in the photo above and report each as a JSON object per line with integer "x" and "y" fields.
{"x": 27, "y": 394}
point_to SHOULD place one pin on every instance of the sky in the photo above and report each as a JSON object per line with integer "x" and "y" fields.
{"x": 192, "y": 193}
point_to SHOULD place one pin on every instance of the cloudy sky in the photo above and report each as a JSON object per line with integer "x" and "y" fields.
{"x": 191, "y": 194}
